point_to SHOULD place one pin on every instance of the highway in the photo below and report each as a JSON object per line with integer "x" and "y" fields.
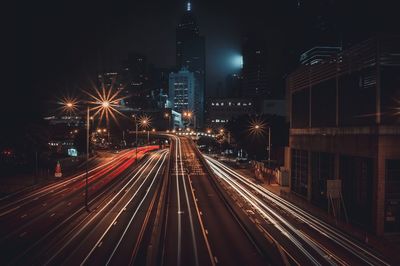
{"x": 173, "y": 207}
{"x": 303, "y": 238}
{"x": 33, "y": 219}
{"x": 200, "y": 229}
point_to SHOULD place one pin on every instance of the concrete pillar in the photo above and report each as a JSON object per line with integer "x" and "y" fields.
{"x": 336, "y": 165}
{"x": 309, "y": 180}
{"x": 379, "y": 186}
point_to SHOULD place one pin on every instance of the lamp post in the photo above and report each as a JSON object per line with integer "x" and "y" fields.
{"x": 145, "y": 123}
{"x": 87, "y": 156}
{"x": 258, "y": 127}
{"x": 71, "y": 106}
{"x": 189, "y": 116}
{"x": 167, "y": 115}
{"x": 136, "y": 136}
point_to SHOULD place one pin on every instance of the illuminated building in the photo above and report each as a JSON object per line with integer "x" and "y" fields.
{"x": 222, "y": 110}
{"x": 181, "y": 90}
{"x": 318, "y": 54}
{"x": 190, "y": 54}
{"x": 344, "y": 125}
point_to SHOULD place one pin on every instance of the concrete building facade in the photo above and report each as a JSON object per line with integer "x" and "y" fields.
{"x": 344, "y": 124}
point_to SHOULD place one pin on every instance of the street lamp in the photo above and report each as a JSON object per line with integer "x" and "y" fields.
{"x": 102, "y": 106}
{"x": 145, "y": 123}
{"x": 136, "y": 136}
{"x": 259, "y": 128}
{"x": 189, "y": 115}
{"x": 167, "y": 115}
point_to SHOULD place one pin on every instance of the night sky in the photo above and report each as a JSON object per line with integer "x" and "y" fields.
{"x": 56, "y": 45}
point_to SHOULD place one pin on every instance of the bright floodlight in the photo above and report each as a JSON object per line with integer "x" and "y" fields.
{"x": 237, "y": 61}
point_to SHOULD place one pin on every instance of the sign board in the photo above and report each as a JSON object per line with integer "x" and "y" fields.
{"x": 72, "y": 152}
{"x": 334, "y": 188}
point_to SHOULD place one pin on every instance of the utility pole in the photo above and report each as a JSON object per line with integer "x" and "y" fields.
{"x": 87, "y": 158}
{"x": 269, "y": 145}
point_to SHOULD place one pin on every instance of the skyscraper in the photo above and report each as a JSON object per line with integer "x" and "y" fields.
{"x": 190, "y": 54}
{"x": 181, "y": 90}
{"x": 135, "y": 78}
{"x": 255, "y": 76}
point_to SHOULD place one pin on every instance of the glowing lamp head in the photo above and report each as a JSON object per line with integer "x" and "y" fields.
{"x": 257, "y": 126}
{"x": 105, "y": 104}
{"x": 70, "y": 105}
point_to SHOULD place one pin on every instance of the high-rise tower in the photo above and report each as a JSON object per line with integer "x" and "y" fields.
{"x": 190, "y": 54}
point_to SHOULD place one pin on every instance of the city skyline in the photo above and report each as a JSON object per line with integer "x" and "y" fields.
{"x": 69, "y": 45}
{"x": 193, "y": 132}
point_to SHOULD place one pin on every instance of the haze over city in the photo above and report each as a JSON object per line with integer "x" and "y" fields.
{"x": 201, "y": 133}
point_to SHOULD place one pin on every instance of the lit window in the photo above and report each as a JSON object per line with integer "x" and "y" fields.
{"x": 238, "y": 104}
{"x": 222, "y": 104}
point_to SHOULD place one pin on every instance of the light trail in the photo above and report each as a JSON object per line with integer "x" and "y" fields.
{"x": 323, "y": 228}
{"x": 179, "y": 204}
{"x": 122, "y": 210}
{"x": 266, "y": 212}
{"x": 118, "y": 169}
{"x": 188, "y": 206}
{"x": 164, "y": 155}
{"x": 132, "y": 181}
{"x": 48, "y": 189}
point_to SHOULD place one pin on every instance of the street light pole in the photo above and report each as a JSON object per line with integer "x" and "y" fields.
{"x": 136, "y": 137}
{"x": 87, "y": 157}
{"x": 269, "y": 145}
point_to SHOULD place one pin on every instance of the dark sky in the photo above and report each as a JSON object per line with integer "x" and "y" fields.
{"x": 56, "y": 44}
